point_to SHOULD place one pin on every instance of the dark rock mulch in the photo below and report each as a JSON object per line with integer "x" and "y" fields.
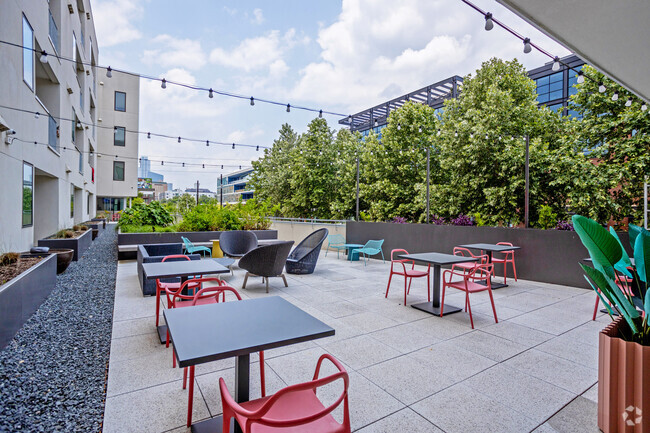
{"x": 53, "y": 373}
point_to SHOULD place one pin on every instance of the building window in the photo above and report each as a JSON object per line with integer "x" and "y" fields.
{"x": 28, "y": 53}
{"x": 28, "y": 194}
{"x": 74, "y": 47}
{"x": 88, "y": 203}
{"x": 120, "y": 101}
{"x": 119, "y": 136}
{"x": 549, "y": 88}
{"x": 118, "y": 170}
{"x": 71, "y": 201}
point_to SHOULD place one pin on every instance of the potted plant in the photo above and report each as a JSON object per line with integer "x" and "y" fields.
{"x": 624, "y": 345}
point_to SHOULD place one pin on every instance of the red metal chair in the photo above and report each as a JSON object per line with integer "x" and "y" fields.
{"x": 469, "y": 266}
{"x": 295, "y": 408}
{"x": 408, "y": 274}
{"x": 505, "y": 258}
{"x": 623, "y": 282}
{"x": 206, "y": 295}
{"x": 161, "y": 286}
{"x": 469, "y": 284}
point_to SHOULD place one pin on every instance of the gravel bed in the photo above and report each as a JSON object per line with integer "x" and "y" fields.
{"x": 53, "y": 373}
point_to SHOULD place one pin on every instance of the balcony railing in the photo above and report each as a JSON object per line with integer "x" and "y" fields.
{"x": 52, "y": 139}
{"x": 54, "y": 34}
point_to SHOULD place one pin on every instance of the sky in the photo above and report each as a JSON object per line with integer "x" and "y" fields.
{"x": 340, "y": 56}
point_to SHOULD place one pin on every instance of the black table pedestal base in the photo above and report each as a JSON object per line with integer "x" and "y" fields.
{"x": 212, "y": 425}
{"x": 429, "y": 308}
{"x": 162, "y": 333}
{"x": 495, "y": 285}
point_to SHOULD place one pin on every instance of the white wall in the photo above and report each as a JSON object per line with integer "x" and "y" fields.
{"x": 297, "y": 231}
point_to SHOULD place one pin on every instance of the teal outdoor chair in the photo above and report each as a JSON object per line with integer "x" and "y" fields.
{"x": 335, "y": 241}
{"x": 371, "y": 248}
{"x": 192, "y": 249}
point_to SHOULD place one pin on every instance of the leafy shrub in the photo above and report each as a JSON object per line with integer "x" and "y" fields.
{"x": 462, "y": 220}
{"x": 547, "y": 218}
{"x": 438, "y": 220}
{"x": 146, "y": 229}
{"x": 8, "y": 258}
{"x": 141, "y": 214}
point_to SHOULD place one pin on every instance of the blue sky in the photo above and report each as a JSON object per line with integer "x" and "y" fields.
{"x": 341, "y": 56}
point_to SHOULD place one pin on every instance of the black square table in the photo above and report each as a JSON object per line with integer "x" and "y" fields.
{"x": 182, "y": 269}
{"x": 490, "y": 248}
{"x": 437, "y": 260}
{"x": 211, "y": 332}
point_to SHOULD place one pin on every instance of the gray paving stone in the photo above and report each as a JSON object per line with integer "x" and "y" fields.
{"x": 488, "y": 345}
{"x": 452, "y": 361}
{"x": 579, "y": 416}
{"x": 362, "y": 351}
{"x": 518, "y": 333}
{"x": 404, "y": 420}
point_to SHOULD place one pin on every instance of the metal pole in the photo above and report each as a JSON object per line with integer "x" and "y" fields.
{"x": 221, "y": 190}
{"x": 357, "y": 188}
{"x": 526, "y": 197}
{"x": 197, "y": 192}
{"x": 428, "y": 185}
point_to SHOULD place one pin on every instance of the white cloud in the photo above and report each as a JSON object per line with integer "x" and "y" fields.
{"x": 380, "y": 49}
{"x": 113, "y": 21}
{"x": 173, "y": 52}
{"x": 257, "y": 53}
{"x": 258, "y": 16}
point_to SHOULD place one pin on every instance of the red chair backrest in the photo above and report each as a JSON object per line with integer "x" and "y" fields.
{"x": 174, "y": 296}
{"x": 398, "y": 251}
{"x": 481, "y": 272}
{"x": 460, "y": 251}
{"x": 176, "y": 256}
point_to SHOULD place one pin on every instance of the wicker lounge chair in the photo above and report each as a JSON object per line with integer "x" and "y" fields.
{"x": 266, "y": 261}
{"x": 236, "y": 243}
{"x": 303, "y": 258}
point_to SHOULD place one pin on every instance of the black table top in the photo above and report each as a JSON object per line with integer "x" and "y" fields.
{"x": 207, "y": 333}
{"x": 437, "y": 258}
{"x": 183, "y": 268}
{"x": 490, "y": 247}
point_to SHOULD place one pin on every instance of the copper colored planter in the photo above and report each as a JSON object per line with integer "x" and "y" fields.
{"x": 623, "y": 382}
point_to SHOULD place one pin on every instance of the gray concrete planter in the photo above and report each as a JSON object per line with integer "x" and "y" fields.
{"x": 95, "y": 225}
{"x": 21, "y": 297}
{"x": 550, "y": 256}
{"x": 79, "y": 245}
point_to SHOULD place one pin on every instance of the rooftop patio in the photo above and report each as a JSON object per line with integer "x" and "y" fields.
{"x": 536, "y": 370}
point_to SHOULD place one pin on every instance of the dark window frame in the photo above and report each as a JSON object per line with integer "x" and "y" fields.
{"x": 115, "y": 164}
{"x": 28, "y": 51}
{"x": 31, "y": 223}
{"x": 115, "y": 101}
{"x": 123, "y": 131}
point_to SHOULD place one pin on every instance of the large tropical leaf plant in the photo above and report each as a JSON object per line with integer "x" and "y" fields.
{"x": 610, "y": 259}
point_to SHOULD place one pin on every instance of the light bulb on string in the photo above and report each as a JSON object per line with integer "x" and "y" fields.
{"x": 420, "y": 128}
{"x": 222, "y": 167}
{"x": 163, "y": 84}
{"x": 628, "y": 103}
{"x": 252, "y": 101}
{"x": 207, "y": 143}
{"x": 527, "y": 47}
{"x": 581, "y": 77}
{"x": 376, "y": 123}
{"x": 148, "y": 134}
{"x": 601, "y": 87}
{"x": 109, "y": 72}
{"x": 320, "y": 113}
{"x": 455, "y": 133}
{"x": 43, "y": 57}
{"x": 183, "y": 164}
{"x": 257, "y": 148}
{"x": 489, "y": 24}
{"x": 486, "y": 136}
{"x": 399, "y": 126}
{"x": 203, "y": 165}
{"x": 162, "y": 162}
{"x": 288, "y": 108}
{"x": 36, "y": 115}
{"x": 471, "y": 135}
{"x": 556, "y": 64}
{"x": 179, "y": 139}
{"x": 210, "y": 94}
{"x": 233, "y": 145}
{"x": 615, "y": 96}
{"x": 644, "y": 107}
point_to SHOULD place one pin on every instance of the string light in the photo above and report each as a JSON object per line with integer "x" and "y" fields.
{"x": 399, "y": 126}
{"x": 207, "y": 143}
{"x": 644, "y": 107}
{"x": 556, "y": 64}
{"x": 179, "y": 139}
{"x": 210, "y": 94}
{"x": 376, "y": 123}
{"x": 601, "y": 87}
{"x": 163, "y": 84}
{"x": 257, "y": 148}
{"x": 43, "y": 57}
{"x": 420, "y": 128}
{"x": 36, "y": 115}
{"x": 527, "y": 47}
{"x": 456, "y": 134}
{"x": 233, "y": 145}
{"x": 320, "y": 113}
{"x": 252, "y": 101}
{"x": 628, "y": 103}
{"x": 489, "y": 24}
{"x": 148, "y": 134}
{"x": 288, "y": 108}
{"x": 109, "y": 72}
{"x": 581, "y": 77}
{"x": 615, "y": 96}
{"x": 183, "y": 164}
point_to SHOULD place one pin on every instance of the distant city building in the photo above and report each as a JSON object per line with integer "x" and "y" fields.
{"x": 203, "y": 192}
{"x": 235, "y": 186}
{"x": 144, "y": 170}
{"x": 553, "y": 90}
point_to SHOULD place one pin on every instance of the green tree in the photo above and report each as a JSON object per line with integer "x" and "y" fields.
{"x": 343, "y": 204}
{"x": 615, "y": 136}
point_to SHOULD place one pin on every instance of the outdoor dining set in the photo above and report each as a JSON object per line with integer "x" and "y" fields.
{"x": 214, "y": 328}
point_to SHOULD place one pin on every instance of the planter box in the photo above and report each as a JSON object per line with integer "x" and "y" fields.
{"x": 124, "y": 239}
{"x": 550, "y": 256}
{"x": 79, "y": 245}
{"x": 97, "y": 225}
{"x": 21, "y": 297}
{"x": 623, "y": 383}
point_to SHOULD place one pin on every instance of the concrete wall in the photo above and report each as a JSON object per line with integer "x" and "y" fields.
{"x": 57, "y": 89}
{"x": 129, "y": 119}
{"x": 297, "y": 231}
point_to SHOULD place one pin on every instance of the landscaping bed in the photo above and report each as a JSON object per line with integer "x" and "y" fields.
{"x": 77, "y": 240}
{"x": 8, "y": 272}
{"x": 53, "y": 372}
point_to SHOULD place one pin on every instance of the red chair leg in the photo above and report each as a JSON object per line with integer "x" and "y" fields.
{"x": 505, "y": 271}
{"x": 405, "y": 289}
{"x": 494, "y": 310}
{"x": 410, "y": 281}
{"x": 469, "y": 307}
{"x": 596, "y": 308}
{"x": 514, "y": 268}
{"x": 390, "y": 277}
{"x": 262, "y": 377}
{"x": 191, "y": 397}
{"x": 157, "y": 305}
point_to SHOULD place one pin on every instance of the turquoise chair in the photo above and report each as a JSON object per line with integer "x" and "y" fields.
{"x": 371, "y": 248}
{"x": 190, "y": 248}
{"x": 336, "y": 242}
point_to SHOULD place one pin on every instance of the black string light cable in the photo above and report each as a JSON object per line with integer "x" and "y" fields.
{"x": 133, "y": 131}
{"x": 117, "y": 157}
{"x": 557, "y": 62}
{"x": 164, "y": 82}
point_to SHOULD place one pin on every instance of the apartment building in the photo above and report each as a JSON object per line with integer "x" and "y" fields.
{"x": 117, "y": 159}
{"x": 235, "y": 186}
{"x": 49, "y": 111}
